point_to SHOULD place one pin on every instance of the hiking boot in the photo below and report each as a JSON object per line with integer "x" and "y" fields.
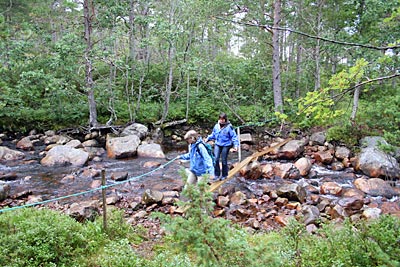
{"x": 222, "y": 178}
{"x": 213, "y": 180}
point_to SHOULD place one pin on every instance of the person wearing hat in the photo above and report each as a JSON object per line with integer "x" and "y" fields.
{"x": 200, "y": 161}
{"x": 225, "y": 138}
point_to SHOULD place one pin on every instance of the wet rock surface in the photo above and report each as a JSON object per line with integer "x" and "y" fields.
{"x": 298, "y": 181}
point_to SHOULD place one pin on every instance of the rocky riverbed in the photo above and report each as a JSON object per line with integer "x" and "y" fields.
{"x": 307, "y": 178}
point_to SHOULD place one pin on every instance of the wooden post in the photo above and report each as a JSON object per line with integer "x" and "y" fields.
{"x": 103, "y": 193}
{"x": 239, "y": 148}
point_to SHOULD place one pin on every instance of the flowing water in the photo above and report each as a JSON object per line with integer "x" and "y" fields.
{"x": 48, "y": 182}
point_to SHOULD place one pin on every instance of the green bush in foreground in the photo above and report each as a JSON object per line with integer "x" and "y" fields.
{"x": 364, "y": 244}
{"x": 33, "y": 237}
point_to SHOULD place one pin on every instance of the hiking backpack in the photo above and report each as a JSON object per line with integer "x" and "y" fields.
{"x": 209, "y": 151}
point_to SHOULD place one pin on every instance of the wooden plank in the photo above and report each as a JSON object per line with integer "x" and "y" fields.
{"x": 235, "y": 170}
{"x": 246, "y": 161}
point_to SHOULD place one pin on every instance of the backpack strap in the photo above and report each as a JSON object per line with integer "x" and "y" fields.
{"x": 198, "y": 149}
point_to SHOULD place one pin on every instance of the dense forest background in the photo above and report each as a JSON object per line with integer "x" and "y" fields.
{"x": 307, "y": 63}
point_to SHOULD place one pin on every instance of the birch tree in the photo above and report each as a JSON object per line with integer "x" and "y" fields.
{"x": 88, "y": 15}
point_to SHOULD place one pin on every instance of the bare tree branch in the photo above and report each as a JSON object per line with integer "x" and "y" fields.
{"x": 367, "y": 82}
{"x": 344, "y": 92}
{"x": 269, "y": 28}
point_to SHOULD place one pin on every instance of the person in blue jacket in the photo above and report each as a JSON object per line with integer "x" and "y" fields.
{"x": 225, "y": 138}
{"x": 200, "y": 161}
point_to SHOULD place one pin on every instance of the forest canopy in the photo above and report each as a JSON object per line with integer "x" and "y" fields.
{"x": 306, "y": 63}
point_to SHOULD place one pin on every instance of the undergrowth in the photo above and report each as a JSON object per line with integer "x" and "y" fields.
{"x": 42, "y": 237}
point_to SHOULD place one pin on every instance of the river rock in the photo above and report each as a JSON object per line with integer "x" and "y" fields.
{"x": 4, "y": 191}
{"x": 292, "y": 149}
{"x": 375, "y": 187}
{"x": 318, "y": 138}
{"x": 351, "y": 205}
{"x": 152, "y": 196}
{"x": 150, "y": 151}
{"x": 151, "y": 164}
{"x": 8, "y": 176}
{"x": 375, "y": 163}
{"x": 56, "y": 139}
{"x": 342, "y": 153}
{"x": 325, "y": 157}
{"x": 371, "y": 213}
{"x": 292, "y": 192}
{"x": 65, "y": 155}
{"x": 119, "y": 176}
{"x": 9, "y": 154}
{"x": 75, "y": 143}
{"x": 84, "y": 211}
{"x": 286, "y": 171}
{"x": 137, "y": 129}
{"x": 25, "y": 144}
{"x": 303, "y": 165}
{"x": 310, "y": 214}
{"x": 373, "y": 141}
{"x": 331, "y": 188}
{"x": 238, "y": 198}
{"x": 122, "y": 147}
{"x": 267, "y": 170}
{"x": 246, "y": 138}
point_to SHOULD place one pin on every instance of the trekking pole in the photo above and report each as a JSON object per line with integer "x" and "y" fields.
{"x": 239, "y": 148}
{"x": 103, "y": 193}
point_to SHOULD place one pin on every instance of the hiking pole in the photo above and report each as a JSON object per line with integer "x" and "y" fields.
{"x": 239, "y": 148}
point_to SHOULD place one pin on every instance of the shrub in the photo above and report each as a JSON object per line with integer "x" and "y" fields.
{"x": 212, "y": 241}
{"x": 40, "y": 238}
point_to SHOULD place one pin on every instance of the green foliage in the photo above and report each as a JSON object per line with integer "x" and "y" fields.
{"x": 317, "y": 108}
{"x": 119, "y": 254}
{"x": 213, "y": 241}
{"x": 346, "y": 133}
{"x": 382, "y": 113}
{"x": 40, "y": 238}
{"x": 365, "y": 244}
{"x": 32, "y": 237}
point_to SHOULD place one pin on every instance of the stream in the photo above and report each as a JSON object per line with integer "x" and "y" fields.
{"x": 47, "y": 182}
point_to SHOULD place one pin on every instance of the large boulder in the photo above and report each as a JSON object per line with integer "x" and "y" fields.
{"x": 65, "y": 155}
{"x": 375, "y": 163}
{"x": 136, "y": 129}
{"x": 150, "y": 151}
{"x": 122, "y": 147}
{"x": 292, "y": 149}
{"x": 375, "y": 187}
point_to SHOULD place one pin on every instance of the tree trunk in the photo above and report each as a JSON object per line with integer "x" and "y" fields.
{"x": 169, "y": 83}
{"x": 276, "y": 72}
{"x": 356, "y": 97}
{"x": 88, "y": 11}
{"x": 187, "y": 95}
{"x": 171, "y": 55}
{"x": 317, "y": 84}
{"x": 132, "y": 51}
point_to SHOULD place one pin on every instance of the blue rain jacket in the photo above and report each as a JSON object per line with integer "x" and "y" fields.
{"x": 200, "y": 160}
{"x": 225, "y": 136}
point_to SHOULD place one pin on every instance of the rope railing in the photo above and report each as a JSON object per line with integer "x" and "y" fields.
{"x": 118, "y": 182}
{"x": 87, "y": 191}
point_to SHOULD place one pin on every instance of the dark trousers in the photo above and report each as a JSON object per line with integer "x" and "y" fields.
{"x": 221, "y": 151}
